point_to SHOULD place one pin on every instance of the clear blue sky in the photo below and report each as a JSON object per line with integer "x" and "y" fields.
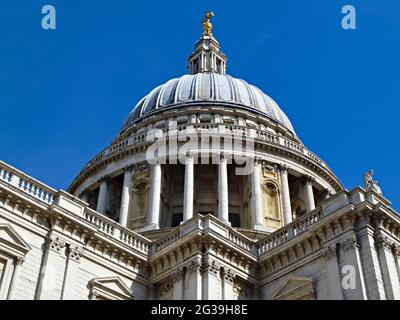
{"x": 64, "y": 94}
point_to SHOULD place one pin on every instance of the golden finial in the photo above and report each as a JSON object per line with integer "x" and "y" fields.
{"x": 207, "y": 26}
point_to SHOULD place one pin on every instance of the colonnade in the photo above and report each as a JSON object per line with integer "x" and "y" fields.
{"x": 257, "y": 210}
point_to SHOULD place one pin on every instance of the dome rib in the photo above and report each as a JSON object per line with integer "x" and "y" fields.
{"x": 208, "y": 88}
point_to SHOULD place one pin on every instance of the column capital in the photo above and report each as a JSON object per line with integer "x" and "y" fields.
{"x": 19, "y": 260}
{"x": 329, "y": 251}
{"x": 283, "y": 168}
{"x": 224, "y": 156}
{"x": 55, "y": 244}
{"x": 228, "y": 274}
{"x": 349, "y": 244}
{"x": 211, "y": 266}
{"x": 308, "y": 179}
{"x": 384, "y": 242}
{"x": 129, "y": 168}
{"x": 142, "y": 166}
{"x": 189, "y": 155}
{"x": 104, "y": 178}
{"x": 74, "y": 253}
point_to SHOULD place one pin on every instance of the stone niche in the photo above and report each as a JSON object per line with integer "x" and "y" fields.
{"x": 139, "y": 201}
{"x": 271, "y": 198}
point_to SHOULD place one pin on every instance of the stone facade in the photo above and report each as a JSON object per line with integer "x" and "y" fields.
{"x": 184, "y": 223}
{"x": 53, "y": 246}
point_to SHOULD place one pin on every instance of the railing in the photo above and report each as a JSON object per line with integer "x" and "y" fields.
{"x": 167, "y": 240}
{"x": 40, "y": 191}
{"x": 213, "y": 128}
{"x": 132, "y": 239}
{"x": 290, "y": 231}
{"x": 242, "y": 242}
{"x": 26, "y": 183}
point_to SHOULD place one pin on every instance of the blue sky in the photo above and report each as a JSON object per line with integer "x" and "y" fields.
{"x": 65, "y": 93}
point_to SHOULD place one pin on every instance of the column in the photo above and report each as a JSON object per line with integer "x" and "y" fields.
{"x": 188, "y": 191}
{"x": 257, "y": 212}
{"x": 333, "y": 272}
{"x": 17, "y": 265}
{"x": 103, "y": 194}
{"x": 223, "y": 207}
{"x": 125, "y": 197}
{"x": 155, "y": 196}
{"x": 350, "y": 256}
{"x": 388, "y": 267}
{"x": 71, "y": 273}
{"x": 370, "y": 261}
{"x": 51, "y": 265}
{"x": 309, "y": 194}
{"x": 286, "y": 206}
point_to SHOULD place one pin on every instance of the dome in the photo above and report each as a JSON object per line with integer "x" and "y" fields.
{"x": 208, "y": 89}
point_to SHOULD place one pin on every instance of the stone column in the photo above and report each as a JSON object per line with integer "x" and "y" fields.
{"x": 211, "y": 281}
{"x": 388, "y": 267}
{"x": 369, "y": 259}
{"x": 188, "y": 191}
{"x": 257, "y": 212}
{"x": 155, "y": 196}
{"x": 125, "y": 197}
{"x": 103, "y": 195}
{"x": 309, "y": 194}
{"x": 350, "y": 257}
{"x": 17, "y": 265}
{"x": 333, "y": 272}
{"x": 223, "y": 206}
{"x": 286, "y": 206}
{"x": 47, "y": 284}
{"x": 71, "y": 273}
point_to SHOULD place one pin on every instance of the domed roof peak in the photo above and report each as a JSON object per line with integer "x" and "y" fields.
{"x": 206, "y": 89}
{"x": 207, "y": 85}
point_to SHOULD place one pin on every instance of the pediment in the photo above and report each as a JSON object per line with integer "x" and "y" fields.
{"x": 295, "y": 288}
{"x": 11, "y": 241}
{"x": 112, "y": 288}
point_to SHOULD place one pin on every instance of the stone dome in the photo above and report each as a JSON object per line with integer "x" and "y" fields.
{"x": 207, "y": 89}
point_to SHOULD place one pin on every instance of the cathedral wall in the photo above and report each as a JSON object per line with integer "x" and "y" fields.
{"x": 89, "y": 270}
{"x": 30, "y": 268}
{"x": 52, "y": 266}
{"x": 310, "y": 281}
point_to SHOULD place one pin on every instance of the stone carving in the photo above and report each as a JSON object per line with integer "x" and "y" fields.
{"x": 55, "y": 244}
{"x": 211, "y": 266}
{"x": 349, "y": 244}
{"x": 329, "y": 251}
{"x": 229, "y": 275}
{"x": 75, "y": 253}
{"x": 370, "y": 184}
{"x": 384, "y": 242}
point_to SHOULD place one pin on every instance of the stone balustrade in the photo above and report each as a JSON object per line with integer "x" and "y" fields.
{"x": 242, "y": 131}
{"x": 16, "y": 179}
{"x": 27, "y": 184}
{"x": 206, "y": 224}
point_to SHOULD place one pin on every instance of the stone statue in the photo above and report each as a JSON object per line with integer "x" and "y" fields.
{"x": 207, "y": 26}
{"x": 370, "y": 184}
